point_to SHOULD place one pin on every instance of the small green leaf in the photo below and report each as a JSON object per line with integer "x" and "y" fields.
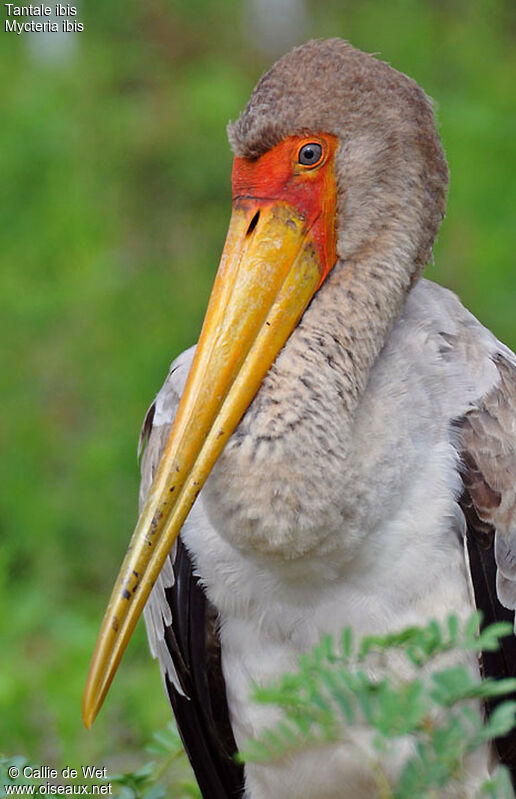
{"x": 453, "y": 626}
{"x": 347, "y": 642}
{"x": 500, "y": 722}
{"x": 499, "y": 786}
{"x": 489, "y": 639}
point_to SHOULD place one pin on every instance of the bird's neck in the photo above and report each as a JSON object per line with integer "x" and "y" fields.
{"x": 362, "y": 299}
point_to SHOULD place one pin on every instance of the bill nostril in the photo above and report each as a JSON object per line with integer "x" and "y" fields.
{"x": 253, "y": 223}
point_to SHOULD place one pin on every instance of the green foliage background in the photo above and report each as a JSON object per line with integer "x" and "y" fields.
{"x": 115, "y": 198}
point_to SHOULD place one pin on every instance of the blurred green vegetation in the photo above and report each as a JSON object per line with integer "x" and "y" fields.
{"x": 115, "y": 184}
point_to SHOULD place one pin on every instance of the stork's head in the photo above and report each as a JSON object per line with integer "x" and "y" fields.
{"x": 336, "y": 155}
{"x": 388, "y": 163}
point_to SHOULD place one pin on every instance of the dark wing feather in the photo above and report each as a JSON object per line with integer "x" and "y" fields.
{"x": 488, "y": 450}
{"x": 502, "y": 663}
{"x": 183, "y": 631}
{"x": 202, "y": 715}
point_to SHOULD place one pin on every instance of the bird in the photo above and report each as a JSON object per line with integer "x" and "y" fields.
{"x": 338, "y": 449}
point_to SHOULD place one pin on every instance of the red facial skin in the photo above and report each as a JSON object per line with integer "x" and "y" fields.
{"x": 277, "y": 176}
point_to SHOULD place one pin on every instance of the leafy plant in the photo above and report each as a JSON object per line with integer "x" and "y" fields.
{"x": 156, "y": 779}
{"x": 147, "y": 781}
{"x": 333, "y": 691}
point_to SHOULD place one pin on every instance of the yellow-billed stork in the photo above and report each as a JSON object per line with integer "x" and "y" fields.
{"x": 339, "y": 448}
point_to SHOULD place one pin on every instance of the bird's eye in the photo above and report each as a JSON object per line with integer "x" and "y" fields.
{"x": 310, "y": 154}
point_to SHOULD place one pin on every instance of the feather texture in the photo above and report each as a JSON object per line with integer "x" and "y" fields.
{"x": 488, "y": 450}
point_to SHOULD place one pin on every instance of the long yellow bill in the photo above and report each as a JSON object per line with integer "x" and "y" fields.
{"x": 269, "y": 271}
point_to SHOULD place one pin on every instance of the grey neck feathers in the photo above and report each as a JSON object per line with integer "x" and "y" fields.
{"x": 360, "y": 302}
